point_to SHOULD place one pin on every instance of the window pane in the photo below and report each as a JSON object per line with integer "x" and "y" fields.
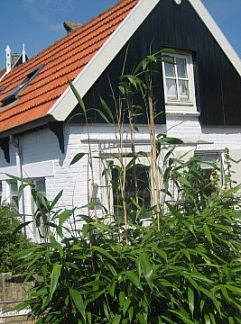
{"x": 13, "y": 187}
{"x": 15, "y": 202}
{"x": 183, "y": 90}
{"x": 136, "y": 189}
{"x": 181, "y": 67}
{"x": 169, "y": 66}
{"x": 40, "y": 186}
{"x": 208, "y": 159}
{"x": 171, "y": 89}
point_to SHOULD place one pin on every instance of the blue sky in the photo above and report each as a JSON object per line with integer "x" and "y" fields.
{"x": 38, "y": 23}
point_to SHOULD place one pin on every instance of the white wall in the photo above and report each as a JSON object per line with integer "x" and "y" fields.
{"x": 41, "y": 156}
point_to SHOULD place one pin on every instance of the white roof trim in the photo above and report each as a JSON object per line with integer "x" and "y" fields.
{"x": 92, "y": 71}
{"x": 217, "y": 33}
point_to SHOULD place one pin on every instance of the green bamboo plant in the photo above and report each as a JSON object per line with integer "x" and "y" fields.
{"x": 183, "y": 267}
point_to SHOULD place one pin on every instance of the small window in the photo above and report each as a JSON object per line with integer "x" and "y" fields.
{"x": 13, "y": 95}
{"x": 210, "y": 163}
{"x": 178, "y": 79}
{"x": 14, "y": 193}
{"x": 39, "y": 187}
{"x": 137, "y": 189}
{"x": 38, "y": 227}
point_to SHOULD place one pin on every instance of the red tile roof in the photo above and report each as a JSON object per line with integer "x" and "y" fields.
{"x": 63, "y": 61}
{"x": 2, "y": 72}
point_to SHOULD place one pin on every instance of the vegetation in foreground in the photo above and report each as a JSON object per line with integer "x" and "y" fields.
{"x": 11, "y": 242}
{"x": 184, "y": 266}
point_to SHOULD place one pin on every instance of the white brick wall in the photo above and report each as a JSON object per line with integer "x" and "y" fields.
{"x": 41, "y": 156}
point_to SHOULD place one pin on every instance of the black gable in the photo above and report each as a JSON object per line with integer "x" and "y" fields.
{"x": 217, "y": 83}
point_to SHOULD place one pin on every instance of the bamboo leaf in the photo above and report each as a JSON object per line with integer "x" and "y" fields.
{"x": 207, "y": 319}
{"x": 19, "y": 227}
{"x": 107, "y": 110}
{"x": 56, "y": 245}
{"x": 212, "y": 318}
{"x": 169, "y": 140}
{"x": 134, "y": 279}
{"x": 182, "y": 315}
{"x": 78, "y": 301}
{"x": 191, "y": 300}
{"x": 64, "y": 216}
{"x": 77, "y": 157}
{"x": 54, "y": 278}
{"x": 102, "y": 115}
{"x": 78, "y": 97}
{"x": 208, "y": 234}
{"x": 117, "y": 319}
{"x": 103, "y": 252}
{"x": 56, "y": 199}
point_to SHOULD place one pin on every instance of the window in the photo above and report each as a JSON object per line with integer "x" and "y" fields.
{"x": 38, "y": 227}
{"x": 13, "y": 185}
{"x": 178, "y": 79}
{"x": 137, "y": 189}
{"x": 211, "y": 162}
{"x": 39, "y": 187}
{"x": 13, "y": 95}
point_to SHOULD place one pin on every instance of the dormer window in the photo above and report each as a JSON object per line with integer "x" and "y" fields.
{"x": 13, "y": 95}
{"x": 178, "y": 80}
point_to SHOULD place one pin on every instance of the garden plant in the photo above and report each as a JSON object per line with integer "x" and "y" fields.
{"x": 175, "y": 261}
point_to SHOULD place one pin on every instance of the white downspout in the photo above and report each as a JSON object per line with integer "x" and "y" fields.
{"x": 19, "y": 168}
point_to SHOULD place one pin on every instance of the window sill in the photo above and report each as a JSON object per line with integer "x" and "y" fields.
{"x": 182, "y": 113}
{"x": 181, "y": 109}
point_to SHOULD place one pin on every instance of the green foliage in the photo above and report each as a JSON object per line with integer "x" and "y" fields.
{"x": 184, "y": 266}
{"x": 10, "y": 240}
{"x": 189, "y": 272}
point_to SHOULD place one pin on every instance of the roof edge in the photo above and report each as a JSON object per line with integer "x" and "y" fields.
{"x": 29, "y": 126}
{"x": 214, "y": 29}
{"x": 93, "y": 70}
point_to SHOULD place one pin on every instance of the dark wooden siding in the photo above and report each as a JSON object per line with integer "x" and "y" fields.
{"x": 217, "y": 83}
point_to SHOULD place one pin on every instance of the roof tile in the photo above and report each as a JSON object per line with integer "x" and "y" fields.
{"x": 63, "y": 61}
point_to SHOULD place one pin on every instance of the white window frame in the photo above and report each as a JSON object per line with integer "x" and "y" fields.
{"x": 107, "y": 193}
{"x": 34, "y": 207}
{"x": 13, "y": 193}
{"x": 209, "y": 157}
{"x": 178, "y": 105}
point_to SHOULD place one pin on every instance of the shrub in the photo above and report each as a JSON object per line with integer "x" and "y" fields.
{"x": 184, "y": 267}
{"x": 11, "y": 241}
{"x": 188, "y": 272}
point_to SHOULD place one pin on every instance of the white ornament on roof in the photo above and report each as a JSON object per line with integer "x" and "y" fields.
{"x": 23, "y": 54}
{"x": 8, "y": 59}
{"x": 178, "y": 2}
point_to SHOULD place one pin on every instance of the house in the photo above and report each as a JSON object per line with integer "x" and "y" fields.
{"x": 197, "y": 89}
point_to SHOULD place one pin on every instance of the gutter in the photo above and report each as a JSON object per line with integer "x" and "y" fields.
{"x": 18, "y": 155}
